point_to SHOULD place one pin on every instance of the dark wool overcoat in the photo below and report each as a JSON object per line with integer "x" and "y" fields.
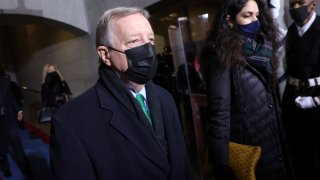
{"x": 96, "y": 137}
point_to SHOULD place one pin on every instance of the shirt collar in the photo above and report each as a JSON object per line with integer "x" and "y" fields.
{"x": 304, "y": 28}
{"x": 143, "y": 92}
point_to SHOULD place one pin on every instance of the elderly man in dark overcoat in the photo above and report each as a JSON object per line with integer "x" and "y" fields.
{"x": 125, "y": 127}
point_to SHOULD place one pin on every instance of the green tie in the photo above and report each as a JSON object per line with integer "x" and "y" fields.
{"x": 140, "y": 100}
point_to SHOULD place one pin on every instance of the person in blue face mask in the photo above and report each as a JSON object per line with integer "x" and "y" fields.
{"x": 301, "y": 98}
{"x": 240, "y": 58}
{"x": 125, "y": 126}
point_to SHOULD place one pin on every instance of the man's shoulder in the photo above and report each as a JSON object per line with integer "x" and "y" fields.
{"x": 4, "y": 79}
{"x": 4, "y": 84}
{"x": 164, "y": 95}
{"x": 81, "y": 100}
{"x": 292, "y": 27}
{"x": 86, "y": 94}
{"x": 317, "y": 23}
{"x": 160, "y": 90}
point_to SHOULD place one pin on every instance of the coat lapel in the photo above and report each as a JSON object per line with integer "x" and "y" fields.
{"x": 129, "y": 126}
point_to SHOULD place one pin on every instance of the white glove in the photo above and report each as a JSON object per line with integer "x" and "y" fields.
{"x": 305, "y": 102}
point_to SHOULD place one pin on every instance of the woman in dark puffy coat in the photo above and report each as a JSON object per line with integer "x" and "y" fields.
{"x": 243, "y": 106}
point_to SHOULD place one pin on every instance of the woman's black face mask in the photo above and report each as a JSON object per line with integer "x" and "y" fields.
{"x": 142, "y": 63}
{"x": 52, "y": 77}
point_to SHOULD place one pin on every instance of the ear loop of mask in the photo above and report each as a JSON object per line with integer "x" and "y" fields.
{"x": 115, "y": 49}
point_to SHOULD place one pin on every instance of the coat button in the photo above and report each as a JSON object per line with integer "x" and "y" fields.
{"x": 270, "y": 106}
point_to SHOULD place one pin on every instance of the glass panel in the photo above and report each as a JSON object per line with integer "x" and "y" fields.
{"x": 183, "y": 28}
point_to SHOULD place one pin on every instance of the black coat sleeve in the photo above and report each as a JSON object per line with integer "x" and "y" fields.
{"x": 218, "y": 89}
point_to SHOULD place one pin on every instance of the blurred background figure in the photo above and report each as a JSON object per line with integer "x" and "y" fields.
{"x": 54, "y": 89}
{"x": 277, "y": 11}
{"x": 301, "y": 96}
{"x": 18, "y": 95}
{"x": 54, "y": 92}
{"x": 10, "y": 114}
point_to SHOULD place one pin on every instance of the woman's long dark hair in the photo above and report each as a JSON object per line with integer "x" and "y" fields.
{"x": 225, "y": 40}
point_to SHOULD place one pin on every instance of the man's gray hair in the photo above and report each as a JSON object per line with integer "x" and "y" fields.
{"x": 104, "y": 31}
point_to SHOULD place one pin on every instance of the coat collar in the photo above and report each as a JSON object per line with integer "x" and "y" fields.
{"x": 131, "y": 128}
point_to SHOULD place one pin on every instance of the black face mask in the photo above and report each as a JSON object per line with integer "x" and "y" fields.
{"x": 299, "y": 14}
{"x": 52, "y": 78}
{"x": 142, "y": 63}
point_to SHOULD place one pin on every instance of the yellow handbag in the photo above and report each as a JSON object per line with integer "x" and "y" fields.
{"x": 243, "y": 160}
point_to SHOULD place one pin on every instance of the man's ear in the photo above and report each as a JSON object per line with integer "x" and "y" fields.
{"x": 314, "y": 3}
{"x": 104, "y": 55}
